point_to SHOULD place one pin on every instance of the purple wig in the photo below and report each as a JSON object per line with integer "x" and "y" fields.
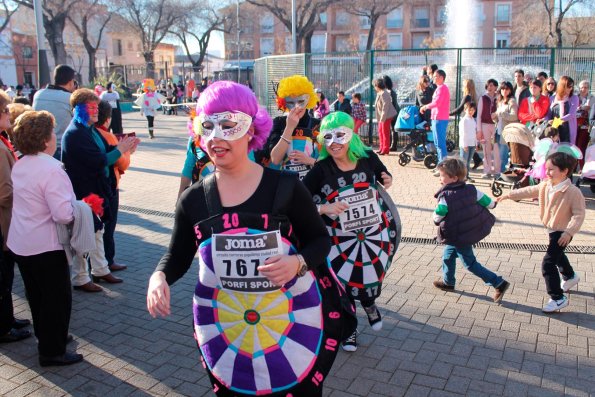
{"x": 226, "y": 96}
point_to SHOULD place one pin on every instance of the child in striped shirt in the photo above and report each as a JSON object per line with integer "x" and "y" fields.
{"x": 463, "y": 219}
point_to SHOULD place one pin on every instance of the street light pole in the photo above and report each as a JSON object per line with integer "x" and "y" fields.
{"x": 238, "y": 36}
{"x": 293, "y": 22}
{"x": 42, "y": 59}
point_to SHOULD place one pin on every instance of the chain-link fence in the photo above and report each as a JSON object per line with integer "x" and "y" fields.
{"x": 354, "y": 71}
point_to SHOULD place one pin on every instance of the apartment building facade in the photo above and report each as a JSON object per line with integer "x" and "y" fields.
{"x": 414, "y": 25}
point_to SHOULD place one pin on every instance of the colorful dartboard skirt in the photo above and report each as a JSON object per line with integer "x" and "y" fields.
{"x": 280, "y": 342}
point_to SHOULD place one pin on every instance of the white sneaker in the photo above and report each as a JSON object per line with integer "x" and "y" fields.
{"x": 374, "y": 317}
{"x": 350, "y": 344}
{"x": 553, "y": 305}
{"x": 571, "y": 282}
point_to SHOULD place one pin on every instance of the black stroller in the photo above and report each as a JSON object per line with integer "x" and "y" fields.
{"x": 422, "y": 149}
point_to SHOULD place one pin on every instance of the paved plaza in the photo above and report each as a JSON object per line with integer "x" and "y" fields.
{"x": 432, "y": 344}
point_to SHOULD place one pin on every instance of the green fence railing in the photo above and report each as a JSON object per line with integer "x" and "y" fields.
{"x": 354, "y": 71}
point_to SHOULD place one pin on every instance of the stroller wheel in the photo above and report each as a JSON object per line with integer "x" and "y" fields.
{"x": 496, "y": 190}
{"x": 450, "y": 145}
{"x": 431, "y": 161}
{"x": 404, "y": 159}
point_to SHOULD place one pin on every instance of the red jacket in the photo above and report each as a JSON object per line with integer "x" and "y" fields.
{"x": 540, "y": 109}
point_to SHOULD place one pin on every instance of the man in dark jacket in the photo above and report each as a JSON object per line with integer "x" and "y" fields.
{"x": 342, "y": 104}
{"x": 520, "y": 89}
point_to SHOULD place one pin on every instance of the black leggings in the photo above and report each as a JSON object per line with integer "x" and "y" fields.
{"x": 150, "y": 119}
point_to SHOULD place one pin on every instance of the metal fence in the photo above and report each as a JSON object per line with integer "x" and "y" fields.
{"x": 354, "y": 71}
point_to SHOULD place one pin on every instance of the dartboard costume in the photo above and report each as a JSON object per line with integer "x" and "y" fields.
{"x": 256, "y": 338}
{"x": 366, "y": 238}
{"x": 303, "y": 139}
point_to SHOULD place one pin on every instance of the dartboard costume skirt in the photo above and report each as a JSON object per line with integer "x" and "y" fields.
{"x": 365, "y": 237}
{"x": 256, "y": 338}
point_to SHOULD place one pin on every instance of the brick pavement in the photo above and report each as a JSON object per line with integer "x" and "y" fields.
{"x": 432, "y": 344}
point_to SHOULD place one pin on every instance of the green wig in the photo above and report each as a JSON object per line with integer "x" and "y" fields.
{"x": 357, "y": 149}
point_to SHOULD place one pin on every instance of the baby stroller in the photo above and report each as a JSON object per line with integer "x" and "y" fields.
{"x": 520, "y": 140}
{"x": 588, "y": 173}
{"x": 410, "y": 122}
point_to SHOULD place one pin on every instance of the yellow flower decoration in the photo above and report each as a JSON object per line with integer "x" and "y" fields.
{"x": 557, "y": 122}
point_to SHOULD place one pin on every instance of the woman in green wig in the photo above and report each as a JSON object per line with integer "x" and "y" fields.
{"x": 347, "y": 184}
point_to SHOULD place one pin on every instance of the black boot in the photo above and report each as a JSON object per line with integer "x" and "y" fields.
{"x": 393, "y": 142}
{"x": 476, "y": 161}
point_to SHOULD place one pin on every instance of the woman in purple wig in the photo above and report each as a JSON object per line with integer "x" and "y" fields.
{"x": 267, "y": 309}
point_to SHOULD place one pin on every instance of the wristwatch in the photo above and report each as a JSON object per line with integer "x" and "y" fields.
{"x": 303, "y": 266}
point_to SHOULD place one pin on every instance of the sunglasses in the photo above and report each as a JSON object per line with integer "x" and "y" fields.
{"x": 551, "y": 83}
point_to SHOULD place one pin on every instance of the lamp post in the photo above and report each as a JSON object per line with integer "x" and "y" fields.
{"x": 238, "y": 36}
{"x": 42, "y": 59}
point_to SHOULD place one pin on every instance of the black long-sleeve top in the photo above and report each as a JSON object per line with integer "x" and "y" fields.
{"x": 461, "y": 107}
{"x": 314, "y": 241}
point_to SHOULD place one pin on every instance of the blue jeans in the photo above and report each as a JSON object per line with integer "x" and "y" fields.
{"x": 439, "y": 133}
{"x": 466, "y": 156}
{"x": 465, "y": 253}
{"x": 504, "y": 154}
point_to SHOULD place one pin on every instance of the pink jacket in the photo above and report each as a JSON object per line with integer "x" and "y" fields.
{"x": 440, "y": 104}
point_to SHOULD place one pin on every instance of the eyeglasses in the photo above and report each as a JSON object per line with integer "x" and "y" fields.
{"x": 550, "y": 83}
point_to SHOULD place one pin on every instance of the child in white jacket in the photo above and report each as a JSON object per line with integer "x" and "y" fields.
{"x": 467, "y": 136}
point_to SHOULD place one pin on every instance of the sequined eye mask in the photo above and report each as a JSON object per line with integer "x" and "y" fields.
{"x": 229, "y": 126}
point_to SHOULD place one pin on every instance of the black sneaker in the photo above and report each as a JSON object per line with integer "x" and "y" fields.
{"x": 443, "y": 286}
{"x": 350, "y": 344}
{"x": 500, "y": 290}
{"x": 374, "y": 317}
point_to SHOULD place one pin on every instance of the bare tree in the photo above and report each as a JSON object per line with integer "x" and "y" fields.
{"x": 205, "y": 18}
{"x": 152, "y": 19}
{"x": 556, "y": 12}
{"x": 579, "y": 31}
{"x": 6, "y": 11}
{"x": 307, "y": 13}
{"x": 55, "y": 14}
{"x": 89, "y": 20}
{"x": 372, "y": 10}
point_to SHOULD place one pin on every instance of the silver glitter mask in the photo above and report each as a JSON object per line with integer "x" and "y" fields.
{"x": 297, "y": 101}
{"x": 341, "y": 135}
{"x": 221, "y": 125}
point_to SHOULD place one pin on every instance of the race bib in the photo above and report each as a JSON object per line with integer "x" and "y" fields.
{"x": 363, "y": 211}
{"x": 236, "y": 258}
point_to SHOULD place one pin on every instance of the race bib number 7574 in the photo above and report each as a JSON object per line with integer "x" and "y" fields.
{"x": 236, "y": 258}
{"x": 363, "y": 211}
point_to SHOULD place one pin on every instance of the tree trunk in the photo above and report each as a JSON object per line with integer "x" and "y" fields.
{"x": 558, "y": 37}
{"x": 92, "y": 68}
{"x": 371, "y": 32}
{"x": 150, "y": 65}
{"x": 54, "y": 30}
{"x": 304, "y": 44}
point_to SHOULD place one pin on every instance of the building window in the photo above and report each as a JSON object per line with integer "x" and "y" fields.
{"x": 421, "y": 17}
{"x": 395, "y": 41}
{"x": 342, "y": 18}
{"x": 502, "y": 39}
{"x": 417, "y": 40}
{"x": 27, "y": 52}
{"x": 317, "y": 43}
{"x": 267, "y": 45}
{"x": 394, "y": 19}
{"x": 117, "y": 47}
{"x": 502, "y": 14}
{"x": 364, "y": 22}
{"x": 130, "y": 46}
{"x": 342, "y": 44}
{"x": 267, "y": 23}
{"x": 28, "y": 77}
{"x": 323, "y": 19}
{"x": 363, "y": 41}
{"x": 441, "y": 16}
